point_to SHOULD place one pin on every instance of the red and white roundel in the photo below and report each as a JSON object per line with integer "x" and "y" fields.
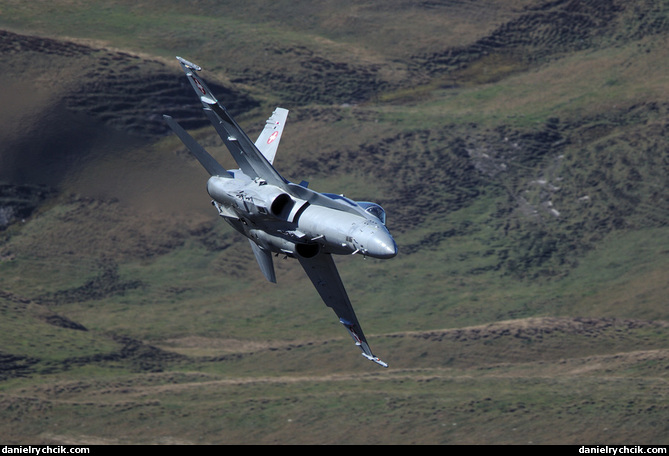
{"x": 272, "y": 137}
{"x": 199, "y": 86}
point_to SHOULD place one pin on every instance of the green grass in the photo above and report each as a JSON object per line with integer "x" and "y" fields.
{"x": 499, "y": 326}
{"x": 479, "y": 405}
{"x": 581, "y": 84}
{"x": 26, "y": 333}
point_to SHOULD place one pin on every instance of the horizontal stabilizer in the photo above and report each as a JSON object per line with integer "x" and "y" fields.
{"x": 264, "y": 258}
{"x": 210, "y": 164}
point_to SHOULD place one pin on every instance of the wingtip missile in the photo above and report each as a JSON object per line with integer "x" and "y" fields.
{"x": 189, "y": 65}
{"x": 375, "y": 359}
{"x": 361, "y": 342}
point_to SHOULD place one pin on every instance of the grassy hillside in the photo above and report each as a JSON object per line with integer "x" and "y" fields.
{"x": 519, "y": 148}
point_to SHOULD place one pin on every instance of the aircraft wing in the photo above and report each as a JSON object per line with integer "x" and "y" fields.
{"x": 269, "y": 138}
{"x": 250, "y": 160}
{"x": 322, "y": 271}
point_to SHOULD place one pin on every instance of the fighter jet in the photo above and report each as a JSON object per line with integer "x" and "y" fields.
{"x": 282, "y": 218}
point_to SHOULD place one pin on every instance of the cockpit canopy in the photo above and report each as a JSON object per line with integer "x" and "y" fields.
{"x": 374, "y": 209}
{"x": 371, "y": 208}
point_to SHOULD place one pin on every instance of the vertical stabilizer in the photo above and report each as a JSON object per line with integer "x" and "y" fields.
{"x": 269, "y": 138}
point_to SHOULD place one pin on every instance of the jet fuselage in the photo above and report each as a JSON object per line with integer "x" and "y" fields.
{"x": 285, "y": 224}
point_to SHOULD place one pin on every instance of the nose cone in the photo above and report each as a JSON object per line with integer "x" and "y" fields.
{"x": 380, "y": 244}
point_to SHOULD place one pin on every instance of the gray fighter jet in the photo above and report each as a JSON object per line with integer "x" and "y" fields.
{"x": 282, "y": 218}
